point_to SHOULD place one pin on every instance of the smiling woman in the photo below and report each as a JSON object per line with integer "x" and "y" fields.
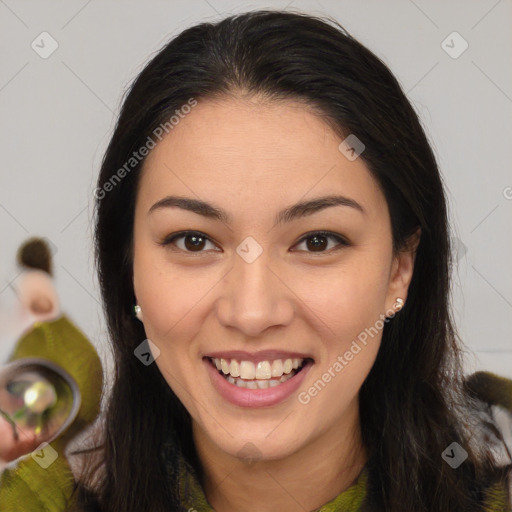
{"x": 286, "y": 250}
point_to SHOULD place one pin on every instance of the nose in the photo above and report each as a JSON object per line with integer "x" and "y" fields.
{"x": 254, "y": 297}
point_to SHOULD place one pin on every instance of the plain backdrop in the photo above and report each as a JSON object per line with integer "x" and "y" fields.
{"x": 58, "y": 112}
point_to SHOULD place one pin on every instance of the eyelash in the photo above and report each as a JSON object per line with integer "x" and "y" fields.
{"x": 327, "y": 234}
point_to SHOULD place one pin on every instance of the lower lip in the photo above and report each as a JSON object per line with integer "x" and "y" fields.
{"x": 255, "y": 398}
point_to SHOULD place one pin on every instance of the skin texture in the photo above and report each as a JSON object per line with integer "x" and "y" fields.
{"x": 253, "y": 158}
{"x": 12, "y": 448}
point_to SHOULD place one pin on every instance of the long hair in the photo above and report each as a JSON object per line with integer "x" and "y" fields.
{"x": 413, "y": 404}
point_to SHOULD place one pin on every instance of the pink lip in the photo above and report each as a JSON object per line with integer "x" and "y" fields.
{"x": 256, "y": 357}
{"x": 255, "y": 398}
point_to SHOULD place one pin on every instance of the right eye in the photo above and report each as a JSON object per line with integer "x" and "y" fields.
{"x": 193, "y": 241}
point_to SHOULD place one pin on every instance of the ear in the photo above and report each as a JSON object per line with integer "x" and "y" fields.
{"x": 401, "y": 271}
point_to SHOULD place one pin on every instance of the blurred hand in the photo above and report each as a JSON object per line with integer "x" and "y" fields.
{"x": 11, "y": 448}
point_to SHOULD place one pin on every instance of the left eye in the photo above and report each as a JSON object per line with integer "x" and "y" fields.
{"x": 194, "y": 241}
{"x": 315, "y": 240}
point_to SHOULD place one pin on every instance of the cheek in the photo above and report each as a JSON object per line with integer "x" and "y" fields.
{"x": 349, "y": 304}
{"x": 167, "y": 295}
{"x": 348, "y": 298}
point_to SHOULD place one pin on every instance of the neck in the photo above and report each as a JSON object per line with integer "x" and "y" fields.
{"x": 304, "y": 480}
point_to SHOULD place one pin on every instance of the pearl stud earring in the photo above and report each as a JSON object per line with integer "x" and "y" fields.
{"x": 399, "y": 304}
{"x": 138, "y": 312}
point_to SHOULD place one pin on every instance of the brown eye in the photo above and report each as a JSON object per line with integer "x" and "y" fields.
{"x": 193, "y": 241}
{"x": 319, "y": 240}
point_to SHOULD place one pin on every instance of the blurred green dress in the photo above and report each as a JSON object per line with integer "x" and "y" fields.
{"x": 27, "y": 487}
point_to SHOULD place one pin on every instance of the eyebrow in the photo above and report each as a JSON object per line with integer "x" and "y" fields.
{"x": 289, "y": 214}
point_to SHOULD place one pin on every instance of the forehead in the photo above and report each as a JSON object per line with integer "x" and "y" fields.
{"x": 238, "y": 148}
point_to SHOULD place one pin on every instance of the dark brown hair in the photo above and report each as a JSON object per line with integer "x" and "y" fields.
{"x": 35, "y": 253}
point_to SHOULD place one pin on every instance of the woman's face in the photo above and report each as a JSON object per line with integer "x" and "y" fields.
{"x": 250, "y": 287}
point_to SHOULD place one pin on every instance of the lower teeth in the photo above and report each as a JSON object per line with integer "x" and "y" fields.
{"x": 259, "y": 383}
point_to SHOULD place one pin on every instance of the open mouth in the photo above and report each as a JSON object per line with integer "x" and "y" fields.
{"x": 267, "y": 374}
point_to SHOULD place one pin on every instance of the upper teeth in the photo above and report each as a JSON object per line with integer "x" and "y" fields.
{"x": 261, "y": 370}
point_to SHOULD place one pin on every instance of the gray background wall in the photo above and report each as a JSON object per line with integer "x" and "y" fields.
{"x": 57, "y": 114}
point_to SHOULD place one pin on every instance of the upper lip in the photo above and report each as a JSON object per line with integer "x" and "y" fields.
{"x": 256, "y": 357}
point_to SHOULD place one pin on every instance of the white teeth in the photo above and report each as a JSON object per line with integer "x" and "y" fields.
{"x": 247, "y": 370}
{"x": 259, "y": 384}
{"x": 277, "y": 368}
{"x": 263, "y": 370}
{"x": 234, "y": 368}
{"x": 262, "y": 375}
{"x": 224, "y": 365}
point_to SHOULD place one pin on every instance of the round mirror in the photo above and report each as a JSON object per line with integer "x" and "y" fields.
{"x": 38, "y": 400}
